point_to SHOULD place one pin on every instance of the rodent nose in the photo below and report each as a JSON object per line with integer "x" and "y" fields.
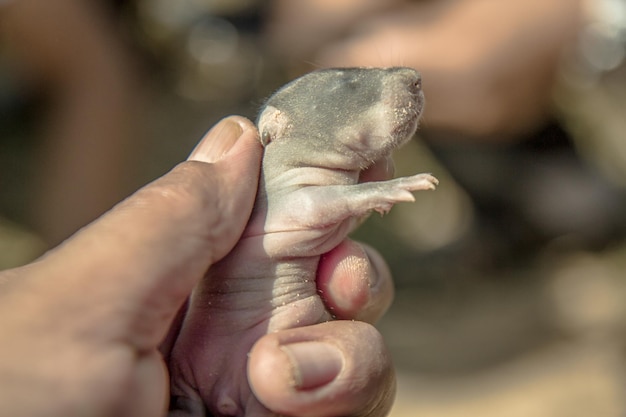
{"x": 416, "y": 85}
{"x": 413, "y": 78}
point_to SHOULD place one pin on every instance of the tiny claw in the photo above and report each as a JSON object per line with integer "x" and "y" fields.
{"x": 381, "y": 211}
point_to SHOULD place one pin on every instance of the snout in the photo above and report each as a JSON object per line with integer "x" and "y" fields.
{"x": 410, "y": 77}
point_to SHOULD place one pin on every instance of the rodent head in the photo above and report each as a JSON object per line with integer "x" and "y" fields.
{"x": 361, "y": 113}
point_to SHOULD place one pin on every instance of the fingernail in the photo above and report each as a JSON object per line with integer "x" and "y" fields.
{"x": 314, "y": 363}
{"x": 217, "y": 142}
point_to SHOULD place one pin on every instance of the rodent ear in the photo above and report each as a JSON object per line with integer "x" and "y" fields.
{"x": 272, "y": 124}
{"x": 265, "y": 138}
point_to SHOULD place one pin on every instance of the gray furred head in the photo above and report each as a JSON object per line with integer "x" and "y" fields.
{"x": 354, "y": 114}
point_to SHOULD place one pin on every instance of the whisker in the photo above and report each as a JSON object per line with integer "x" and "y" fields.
{"x": 312, "y": 64}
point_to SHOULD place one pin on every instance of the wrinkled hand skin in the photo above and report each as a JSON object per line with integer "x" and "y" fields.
{"x": 320, "y": 133}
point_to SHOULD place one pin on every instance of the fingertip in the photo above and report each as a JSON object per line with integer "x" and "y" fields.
{"x": 355, "y": 282}
{"x": 343, "y": 278}
{"x": 224, "y": 138}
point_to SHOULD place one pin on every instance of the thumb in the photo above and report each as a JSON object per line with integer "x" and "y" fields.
{"x": 335, "y": 368}
{"x": 139, "y": 262}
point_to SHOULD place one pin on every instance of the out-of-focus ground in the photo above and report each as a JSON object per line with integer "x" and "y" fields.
{"x": 548, "y": 343}
{"x": 510, "y": 277}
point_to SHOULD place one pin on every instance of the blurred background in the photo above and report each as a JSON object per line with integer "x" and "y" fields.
{"x": 510, "y": 282}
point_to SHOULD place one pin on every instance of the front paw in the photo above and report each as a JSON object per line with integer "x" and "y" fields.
{"x": 418, "y": 182}
{"x": 400, "y": 190}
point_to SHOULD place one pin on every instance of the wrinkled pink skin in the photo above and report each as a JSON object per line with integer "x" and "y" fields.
{"x": 320, "y": 132}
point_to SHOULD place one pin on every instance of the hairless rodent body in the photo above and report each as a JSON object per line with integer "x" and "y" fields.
{"x": 320, "y": 132}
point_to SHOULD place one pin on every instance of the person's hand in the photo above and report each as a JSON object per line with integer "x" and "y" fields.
{"x": 88, "y": 328}
{"x": 487, "y": 67}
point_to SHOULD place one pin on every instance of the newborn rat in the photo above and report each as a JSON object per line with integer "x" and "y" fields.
{"x": 319, "y": 132}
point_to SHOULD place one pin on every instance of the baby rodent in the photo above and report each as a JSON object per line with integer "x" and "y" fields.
{"x": 320, "y": 132}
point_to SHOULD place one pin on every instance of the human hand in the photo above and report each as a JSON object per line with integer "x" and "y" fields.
{"x": 488, "y": 67}
{"x": 83, "y": 325}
